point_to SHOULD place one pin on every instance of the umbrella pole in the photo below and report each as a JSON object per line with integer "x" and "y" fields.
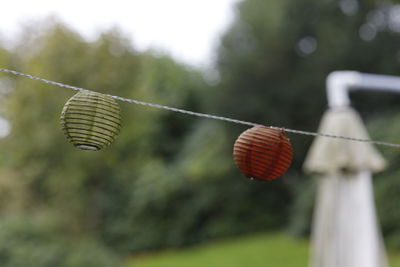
{"x": 345, "y": 232}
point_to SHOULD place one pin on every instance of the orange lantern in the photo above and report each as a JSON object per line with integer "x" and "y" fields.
{"x": 263, "y": 153}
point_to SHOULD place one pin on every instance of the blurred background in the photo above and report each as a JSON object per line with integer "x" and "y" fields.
{"x": 167, "y": 192}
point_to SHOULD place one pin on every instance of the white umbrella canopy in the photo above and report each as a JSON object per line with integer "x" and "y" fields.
{"x": 345, "y": 230}
{"x": 329, "y": 155}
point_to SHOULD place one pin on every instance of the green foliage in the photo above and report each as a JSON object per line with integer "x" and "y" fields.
{"x": 186, "y": 202}
{"x": 265, "y": 76}
{"x": 98, "y": 195}
{"x": 169, "y": 179}
{"x": 28, "y": 241}
{"x": 268, "y": 77}
{"x": 302, "y": 209}
{"x": 387, "y": 184}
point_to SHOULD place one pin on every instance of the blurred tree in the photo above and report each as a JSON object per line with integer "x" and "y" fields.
{"x": 95, "y": 194}
{"x": 35, "y": 241}
{"x": 273, "y": 62}
{"x": 274, "y": 59}
{"x": 169, "y": 179}
{"x": 387, "y": 183}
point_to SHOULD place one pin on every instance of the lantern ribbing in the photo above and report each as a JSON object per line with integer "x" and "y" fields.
{"x": 263, "y": 153}
{"x": 91, "y": 120}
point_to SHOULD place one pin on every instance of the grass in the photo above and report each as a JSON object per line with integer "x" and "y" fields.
{"x": 261, "y": 250}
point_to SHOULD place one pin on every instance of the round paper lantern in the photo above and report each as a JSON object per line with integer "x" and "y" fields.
{"x": 263, "y": 153}
{"x": 91, "y": 120}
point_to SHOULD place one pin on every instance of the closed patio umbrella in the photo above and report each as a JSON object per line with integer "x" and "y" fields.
{"x": 345, "y": 230}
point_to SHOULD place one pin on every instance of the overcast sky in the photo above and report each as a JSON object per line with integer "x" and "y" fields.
{"x": 188, "y": 29}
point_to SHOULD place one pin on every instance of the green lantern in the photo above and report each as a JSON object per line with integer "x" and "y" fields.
{"x": 91, "y": 120}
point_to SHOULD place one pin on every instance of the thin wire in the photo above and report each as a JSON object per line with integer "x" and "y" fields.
{"x": 203, "y": 115}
